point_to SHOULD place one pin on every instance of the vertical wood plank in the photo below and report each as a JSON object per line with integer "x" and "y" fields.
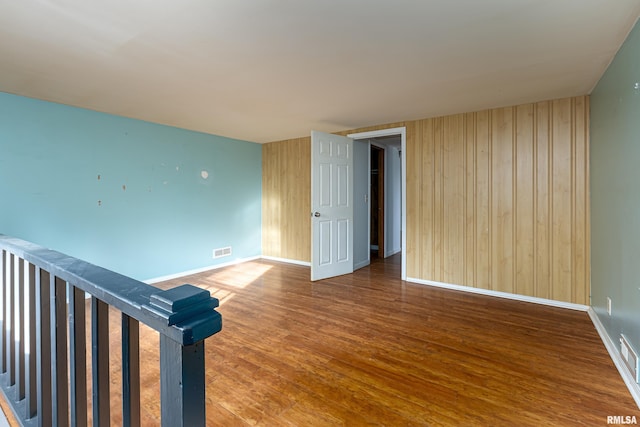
{"x": 502, "y": 200}
{"x": 483, "y": 200}
{"x": 59, "y": 362}
{"x": 542, "y": 269}
{"x": 438, "y": 195}
{"x": 100, "y": 362}
{"x": 470, "y": 198}
{"x": 580, "y": 201}
{"x": 426, "y": 184}
{"x": 453, "y": 212}
{"x": 561, "y": 209}
{"x": 414, "y": 200}
{"x": 524, "y": 284}
{"x": 78, "y": 357}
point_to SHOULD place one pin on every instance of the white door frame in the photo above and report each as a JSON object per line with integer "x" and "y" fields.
{"x": 402, "y": 131}
{"x": 367, "y": 261}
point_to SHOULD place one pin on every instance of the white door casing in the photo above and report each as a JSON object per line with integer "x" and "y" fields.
{"x": 402, "y": 131}
{"x": 331, "y": 205}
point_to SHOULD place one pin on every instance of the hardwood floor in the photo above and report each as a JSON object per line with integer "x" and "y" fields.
{"x": 370, "y": 349}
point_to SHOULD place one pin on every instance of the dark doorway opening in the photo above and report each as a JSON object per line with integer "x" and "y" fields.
{"x": 377, "y": 201}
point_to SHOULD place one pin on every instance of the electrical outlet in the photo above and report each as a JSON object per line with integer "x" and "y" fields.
{"x": 624, "y": 350}
{"x": 609, "y": 306}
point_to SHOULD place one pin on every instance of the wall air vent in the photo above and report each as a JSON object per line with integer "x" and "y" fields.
{"x": 630, "y": 357}
{"x": 222, "y": 252}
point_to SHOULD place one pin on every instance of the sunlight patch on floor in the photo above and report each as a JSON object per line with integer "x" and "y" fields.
{"x": 223, "y": 295}
{"x": 241, "y": 275}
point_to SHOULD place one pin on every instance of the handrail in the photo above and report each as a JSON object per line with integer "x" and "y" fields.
{"x": 137, "y": 299}
{"x": 183, "y": 316}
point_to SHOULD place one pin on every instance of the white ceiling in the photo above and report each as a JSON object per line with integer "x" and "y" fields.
{"x": 265, "y": 70}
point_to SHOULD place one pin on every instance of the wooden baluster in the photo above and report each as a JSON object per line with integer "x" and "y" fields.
{"x": 100, "y": 361}
{"x": 30, "y": 362}
{"x": 19, "y": 326}
{"x": 11, "y": 321}
{"x": 130, "y": 372}
{"x": 78, "y": 357}
{"x": 43, "y": 348}
{"x": 59, "y": 378}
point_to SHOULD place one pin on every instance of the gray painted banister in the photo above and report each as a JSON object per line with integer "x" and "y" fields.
{"x": 51, "y": 362}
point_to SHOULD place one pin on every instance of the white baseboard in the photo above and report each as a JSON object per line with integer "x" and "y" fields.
{"x": 535, "y": 300}
{"x": 287, "y": 260}
{"x": 199, "y": 270}
{"x": 391, "y": 252}
{"x": 612, "y": 348}
{"x": 634, "y": 388}
{"x": 226, "y": 264}
{"x": 361, "y": 264}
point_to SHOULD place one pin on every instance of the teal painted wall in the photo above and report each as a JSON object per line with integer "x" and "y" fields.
{"x": 125, "y": 194}
{"x": 615, "y": 193}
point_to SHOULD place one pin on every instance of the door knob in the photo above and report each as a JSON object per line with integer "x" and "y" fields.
{"x": 316, "y": 214}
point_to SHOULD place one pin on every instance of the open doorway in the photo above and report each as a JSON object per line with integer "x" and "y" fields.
{"x": 377, "y": 219}
{"x": 379, "y": 202}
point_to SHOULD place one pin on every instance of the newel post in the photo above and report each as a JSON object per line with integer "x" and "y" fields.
{"x": 189, "y": 311}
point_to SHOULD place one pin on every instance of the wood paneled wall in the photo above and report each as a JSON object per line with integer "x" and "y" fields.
{"x": 496, "y": 199}
{"x": 286, "y": 199}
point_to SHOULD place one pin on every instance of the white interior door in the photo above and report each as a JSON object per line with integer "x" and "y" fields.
{"x": 331, "y": 205}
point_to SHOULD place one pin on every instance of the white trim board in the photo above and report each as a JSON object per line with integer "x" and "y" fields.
{"x": 361, "y": 264}
{"x": 506, "y": 295}
{"x": 634, "y": 387}
{"x": 198, "y": 270}
{"x": 402, "y": 131}
{"x": 392, "y": 252}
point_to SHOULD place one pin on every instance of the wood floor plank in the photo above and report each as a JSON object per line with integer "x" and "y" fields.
{"x": 370, "y": 349}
